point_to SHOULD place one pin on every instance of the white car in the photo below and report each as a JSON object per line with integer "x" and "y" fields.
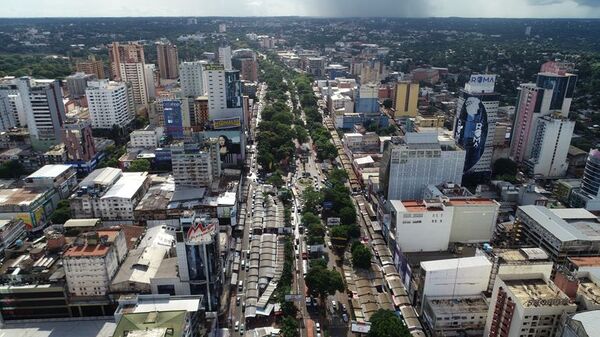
{"x": 237, "y": 325}
{"x": 318, "y": 327}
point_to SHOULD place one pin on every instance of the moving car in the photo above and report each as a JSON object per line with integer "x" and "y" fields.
{"x": 237, "y": 325}
{"x": 318, "y": 327}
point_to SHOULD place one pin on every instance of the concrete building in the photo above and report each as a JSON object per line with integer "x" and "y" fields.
{"x": 168, "y": 60}
{"x": 176, "y": 122}
{"x": 315, "y": 66}
{"x": 249, "y": 69}
{"x": 367, "y": 100}
{"x": 110, "y": 103}
{"x": 562, "y": 233}
{"x": 79, "y": 143}
{"x": 192, "y": 166}
{"x": 475, "y": 125}
{"x": 224, "y": 94}
{"x": 63, "y": 178}
{"x": 526, "y": 306}
{"x": 225, "y": 57}
{"x": 45, "y": 111}
{"x": 407, "y": 98}
{"x": 582, "y": 324}
{"x": 150, "y": 73}
{"x": 449, "y": 316}
{"x": 32, "y": 205}
{"x": 77, "y": 83}
{"x": 148, "y": 137}
{"x": 91, "y": 66}
{"x": 134, "y": 73}
{"x": 550, "y": 146}
{"x": 131, "y": 52}
{"x": 588, "y": 196}
{"x": 407, "y": 168}
{"x": 12, "y": 105}
{"x": 93, "y": 260}
{"x": 11, "y": 231}
{"x": 193, "y": 81}
{"x": 109, "y": 194}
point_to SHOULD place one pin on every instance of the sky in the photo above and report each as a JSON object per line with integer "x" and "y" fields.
{"x": 328, "y": 8}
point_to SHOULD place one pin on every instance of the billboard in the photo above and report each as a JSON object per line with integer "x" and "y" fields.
{"x": 226, "y": 123}
{"x": 471, "y": 129}
{"x": 333, "y": 221}
{"x": 173, "y": 118}
{"x": 481, "y": 83}
{"x": 233, "y": 89}
{"x": 200, "y": 232}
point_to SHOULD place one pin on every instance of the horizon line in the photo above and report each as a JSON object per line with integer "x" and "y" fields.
{"x": 293, "y": 16}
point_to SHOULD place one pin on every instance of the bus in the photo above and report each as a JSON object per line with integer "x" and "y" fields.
{"x": 304, "y": 267}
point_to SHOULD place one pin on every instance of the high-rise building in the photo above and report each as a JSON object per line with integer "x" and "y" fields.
{"x": 174, "y": 119}
{"x": 550, "y": 146}
{"x": 407, "y": 168}
{"x": 407, "y": 99}
{"x": 552, "y": 92}
{"x": 77, "y": 83}
{"x": 528, "y": 305}
{"x": 224, "y": 94}
{"x": 78, "y": 139}
{"x": 110, "y": 103}
{"x": 45, "y": 111}
{"x": 134, "y": 73}
{"x": 192, "y": 166}
{"x": 191, "y": 75}
{"x": 12, "y": 110}
{"x": 200, "y": 113}
{"x": 316, "y": 66}
{"x": 149, "y": 76}
{"x": 367, "y": 100}
{"x": 132, "y": 52}
{"x": 225, "y": 57}
{"x": 91, "y": 67}
{"x": 475, "y": 125}
{"x": 168, "y": 60}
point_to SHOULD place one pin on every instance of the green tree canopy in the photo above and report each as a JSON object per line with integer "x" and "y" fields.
{"x": 289, "y": 327}
{"x": 347, "y": 215}
{"x": 505, "y": 166}
{"x": 361, "y": 256}
{"x": 139, "y": 165}
{"x": 385, "y": 323}
{"x": 322, "y": 282}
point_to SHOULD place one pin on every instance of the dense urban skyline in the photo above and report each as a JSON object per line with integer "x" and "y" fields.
{"x": 333, "y": 8}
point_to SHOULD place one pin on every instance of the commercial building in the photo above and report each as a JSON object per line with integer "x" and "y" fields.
{"x": 168, "y": 60}
{"x": 45, "y": 111}
{"x": 475, "y": 125}
{"x": 131, "y": 52}
{"x": 562, "y": 233}
{"x": 367, "y": 100}
{"x": 420, "y": 160}
{"x": 225, "y": 57}
{"x": 448, "y": 316}
{"x": 174, "y": 118}
{"x": 93, "y": 260}
{"x": 315, "y": 66}
{"x": 191, "y": 75}
{"x": 32, "y": 205}
{"x": 550, "y": 146}
{"x": 588, "y": 196}
{"x": 12, "y": 105}
{"x": 148, "y": 137}
{"x": 63, "y": 178}
{"x": 77, "y": 83}
{"x": 134, "y": 73}
{"x": 192, "y": 166}
{"x": 109, "y": 194}
{"x": 582, "y": 324}
{"x": 407, "y": 99}
{"x": 224, "y": 96}
{"x": 249, "y": 69}
{"x": 91, "y": 66}
{"x": 152, "y": 78}
{"x": 110, "y": 103}
{"x": 79, "y": 143}
{"x": 526, "y": 305}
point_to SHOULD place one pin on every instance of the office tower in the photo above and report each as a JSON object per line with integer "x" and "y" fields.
{"x": 131, "y": 52}
{"x": 191, "y": 75}
{"x": 77, "y": 83}
{"x": 590, "y": 183}
{"x": 42, "y": 100}
{"x": 528, "y": 305}
{"x": 420, "y": 160}
{"x": 110, "y": 103}
{"x": 78, "y": 139}
{"x": 224, "y": 94}
{"x": 198, "y": 256}
{"x": 225, "y": 57}
{"x": 192, "y": 167}
{"x": 249, "y": 69}
{"x": 552, "y": 92}
{"x": 134, "y": 73}
{"x": 174, "y": 118}
{"x": 407, "y": 99}
{"x": 12, "y": 108}
{"x": 475, "y": 125}
{"x": 550, "y": 146}
{"x": 367, "y": 101}
{"x": 168, "y": 60}
{"x": 91, "y": 67}
{"x": 149, "y": 76}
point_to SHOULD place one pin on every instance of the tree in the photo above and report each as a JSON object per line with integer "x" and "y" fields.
{"x": 361, "y": 256}
{"x": 289, "y": 327}
{"x": 347, "y": 216}
{"x": 311, "y": 198}
{"x": 275, "y": 180}
{"x": 385, "y": 323}
{"x": 388, "y": 103}
{"x": 62, "y": 213}
{"x": 139, "y": 165}
{"x": 338, "y": 175}
{"x": 285, "y": 195}
{"x": 11, "y": 170}
{"x": 322, "y": 282}
{"x": 289, "y": 309}
{"x": 505, "y": 166}
{"x": 309, "y": 218}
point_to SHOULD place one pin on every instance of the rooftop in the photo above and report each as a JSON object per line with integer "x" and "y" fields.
{"x": 152, "y": 324}
{"x": 49, "y": 171}
{"x": 20, "y": 196}
{"x": 127, "y": 186}
{"x": 536, "y": 293}
{"x": 81, "y": 223}
{"x": 461, "y": 304}
{"x": 56, "y": 327}
{"x": 90, "y": 248}
{"x": 589, "y": 320}
{"x": 585, "y": 261}
{"x": 464, "y": 262}
{"x": 568, "y": 224}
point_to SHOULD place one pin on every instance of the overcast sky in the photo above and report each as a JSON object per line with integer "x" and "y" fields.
{"x": 401, "y": 8}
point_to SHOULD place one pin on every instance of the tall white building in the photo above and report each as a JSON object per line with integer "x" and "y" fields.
{"x": 110, "y": 103}
{"x": 192, "y": 167}
{"x": 191, "y": 75}
{"x": 407, "y": 168}
{"x": 149, "y": 75}
{"x": 550, "y": 147}
{"x": 93, "y": 260}
{"x": 225, "y": 100}
{"x": 12, "y": 110}
{"x": 45, "y": 110}
{"x": 134, "y": 73}
{"x": 225, "y": 57}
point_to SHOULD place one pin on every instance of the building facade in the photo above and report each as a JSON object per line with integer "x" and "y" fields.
{"x": 192, "y": 167}
{"x": 168, "y": 60}
{"x": 191, "y": 75}
{"x": 407, "y": 99}
{"x": 110, "y": 103}
{"x": 131, "y": 52}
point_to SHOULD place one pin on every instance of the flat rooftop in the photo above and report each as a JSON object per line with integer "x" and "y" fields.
{"x": 536, "y": 293}
{"x": 49, "y": 171}
{"x": 458, "y": 304}
{"x": 568, "y": 224}
{"x": 585, "y": 261}
{"x": 19, "y": 196}
{"x": 589, "y": 289}
{"x": 94, "y": 249}
{"x": 83, "y": 328}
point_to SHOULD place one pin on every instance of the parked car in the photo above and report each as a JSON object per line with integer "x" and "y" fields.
{"x": 318, "y": 327}
{"x": 237, "y": 325}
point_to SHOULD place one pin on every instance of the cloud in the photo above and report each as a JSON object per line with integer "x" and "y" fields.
{"x": 589, "y": 3}
{"x": 381, "y": 8}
